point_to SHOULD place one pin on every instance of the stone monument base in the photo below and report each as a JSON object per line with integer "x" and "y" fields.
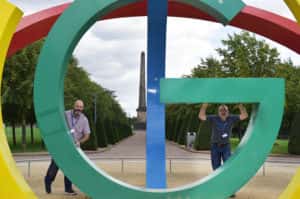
{"x": 139, "y": 126}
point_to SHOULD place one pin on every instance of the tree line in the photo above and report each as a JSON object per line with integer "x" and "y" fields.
{"x": 241, "y": 55}
{"x": 109, "y": 125}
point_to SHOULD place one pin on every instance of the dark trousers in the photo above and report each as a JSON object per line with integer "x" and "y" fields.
{"x": 51, "y": 174}
{"x": 219, "y": 153}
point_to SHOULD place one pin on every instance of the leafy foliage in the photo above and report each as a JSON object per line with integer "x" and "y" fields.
{"x": 294, "y": 146}
{"x": 17, "y": 98}
{"x": 243, "y": 55}
{"x": 202, "y": 141}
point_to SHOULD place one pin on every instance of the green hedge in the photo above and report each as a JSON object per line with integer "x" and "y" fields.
{"x": 101, "y": 134}
{"x": 92, "y": 143}
{"x": 181, "y": 134}
{"x": 203, "y": 136}
{"x": 168, "y": 127}
{"x": 294, "y": 140}
{"x": 176, "y": 128}
{"x": 181, "y": 119}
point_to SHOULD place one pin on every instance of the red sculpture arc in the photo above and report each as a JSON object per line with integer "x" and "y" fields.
{"x": 277, "y": 28}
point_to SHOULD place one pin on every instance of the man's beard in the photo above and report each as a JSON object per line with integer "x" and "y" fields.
{"x": 77, "y": 112}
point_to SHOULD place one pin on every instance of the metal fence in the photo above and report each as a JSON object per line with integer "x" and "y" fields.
{"x": 170, "y": 162}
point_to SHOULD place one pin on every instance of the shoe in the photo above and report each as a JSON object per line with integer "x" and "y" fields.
{"x": 232, "y": 196}
{"x": 71, "y": 193}
{"x": 47, "y": 186}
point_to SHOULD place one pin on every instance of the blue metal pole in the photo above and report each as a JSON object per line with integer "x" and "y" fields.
{"x": 155, "y": 137}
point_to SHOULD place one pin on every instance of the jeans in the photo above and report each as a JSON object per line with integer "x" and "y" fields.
{"x": 219, "y": 153}
{"x": 51, "y": 174}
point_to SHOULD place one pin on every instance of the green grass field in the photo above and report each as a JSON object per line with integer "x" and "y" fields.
{"x": 35, "y": 147}
{"x": 279, "y": 147}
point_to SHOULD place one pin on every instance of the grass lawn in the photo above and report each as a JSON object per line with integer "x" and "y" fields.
{"x": 279, "y": 147}
{"x": 35, "y": 147}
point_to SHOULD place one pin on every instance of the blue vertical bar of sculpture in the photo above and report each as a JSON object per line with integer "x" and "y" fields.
{"x": 155, "y": 137}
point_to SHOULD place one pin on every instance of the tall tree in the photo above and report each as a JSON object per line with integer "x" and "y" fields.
{"x": 17, "y": 95}
{"x": 243, "y": 55}
{"x": 18, "y": 82}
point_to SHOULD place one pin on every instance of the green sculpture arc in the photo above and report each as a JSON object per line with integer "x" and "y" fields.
{"x": 268, "y": 96}
{"x": 49, "y": 107}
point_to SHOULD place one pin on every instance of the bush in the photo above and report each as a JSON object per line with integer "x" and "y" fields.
{"x": 101, "y": 134}
{"x": 176, "y": 128}
{"x": 110, "y": 131}
{"x": 203, "y": 136}
{"x": 127, "y": 131}
{"x": 92, "y": 143}
{"x": 168, "y": 123}
{"x": 194, "y": 122}
{"x": 185, "y": 127}
{"x": 181, "y": 135}
{"x": 294, "y": 140}
{"x": 116, "y": 131}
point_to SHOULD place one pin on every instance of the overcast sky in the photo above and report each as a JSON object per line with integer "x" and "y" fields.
{"x": 110, "y": 50}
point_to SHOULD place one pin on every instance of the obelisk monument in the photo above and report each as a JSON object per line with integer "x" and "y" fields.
{"x": 141, "y": 110}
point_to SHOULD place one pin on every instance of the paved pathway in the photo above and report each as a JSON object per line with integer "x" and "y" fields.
{"x": 135, "y": 146}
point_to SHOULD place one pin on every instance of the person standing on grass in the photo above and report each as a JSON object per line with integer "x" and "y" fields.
{"x": 80, "y": 131}
{"x": 221, "y": 132}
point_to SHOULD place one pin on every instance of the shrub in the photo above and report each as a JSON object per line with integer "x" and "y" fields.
{"x": 203, "y": 136}
{"x": 294, "y": 140}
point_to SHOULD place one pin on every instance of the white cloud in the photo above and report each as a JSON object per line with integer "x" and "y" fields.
{"x": 110, "y": 50}
{"x": 275, "y": 6}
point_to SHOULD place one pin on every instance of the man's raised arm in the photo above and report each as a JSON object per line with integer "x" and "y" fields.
{"x": 243, "y": 112}
{"x": 202, "y": 113}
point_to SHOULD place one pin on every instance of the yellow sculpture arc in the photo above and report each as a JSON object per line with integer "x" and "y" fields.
{"x": 12, "y": 183}
{"x": 294, "y": 6}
